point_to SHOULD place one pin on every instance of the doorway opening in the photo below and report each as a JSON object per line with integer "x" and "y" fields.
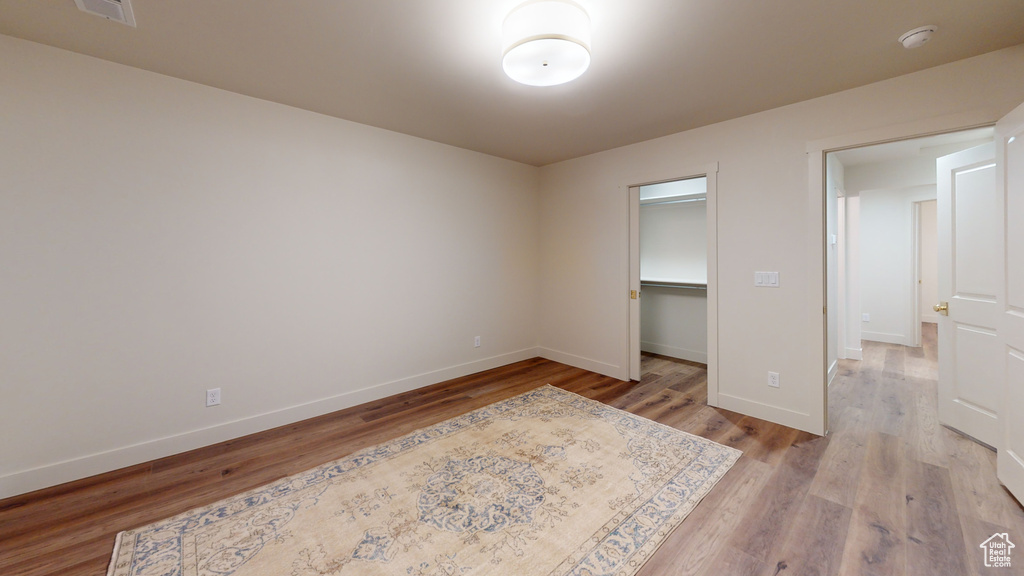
{"x": 880, "y": 248}
{"x": 680, "y": 267}
{"x": 673, "y": 269}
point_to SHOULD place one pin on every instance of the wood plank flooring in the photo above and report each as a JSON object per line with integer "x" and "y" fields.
{"x": 889, "y": 491}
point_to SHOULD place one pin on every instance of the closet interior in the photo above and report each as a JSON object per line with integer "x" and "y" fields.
{"x": 674, "y": 269}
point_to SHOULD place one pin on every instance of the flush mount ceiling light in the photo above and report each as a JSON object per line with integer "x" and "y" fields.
{"x": 546, "y": 42}
{"x": 918, "y": 36}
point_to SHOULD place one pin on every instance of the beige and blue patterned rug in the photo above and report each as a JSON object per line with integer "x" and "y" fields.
{"x": 545, "y": 483}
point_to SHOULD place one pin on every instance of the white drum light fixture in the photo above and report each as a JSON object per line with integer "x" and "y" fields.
{"x": 546, "y": 42}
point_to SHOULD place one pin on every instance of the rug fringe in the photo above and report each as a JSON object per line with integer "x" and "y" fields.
{"x": 113, "y": 557}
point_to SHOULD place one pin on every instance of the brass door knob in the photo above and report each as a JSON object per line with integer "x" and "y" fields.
{"x": 942, "y": 308}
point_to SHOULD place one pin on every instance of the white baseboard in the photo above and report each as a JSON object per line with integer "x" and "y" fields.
{"x": 833, "y": 370}
{"x": 672, "y": 351}
{"x": 584, "y": 363}
{"x": 886, "y": 338}
{"x": 60, "y": 472}
{"x": 776, "y": 414}
{"x": 854, "y": 353}
{"x": 930, "y": 318}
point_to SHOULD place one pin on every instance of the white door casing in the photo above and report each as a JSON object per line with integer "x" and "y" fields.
{"x": 1010, "y": 182}
{"x": 710, "y": 172}
{"x": 634, "y": 283}
{"x": 970, "y": 250}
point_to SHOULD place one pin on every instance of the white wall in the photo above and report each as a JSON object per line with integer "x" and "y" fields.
{"x": 769, "y": 219}
{"x": 158, "y": 238}
{"x": 674, "y": 322}
{"x": 673, "y": 247}
{"x": 887, "y": 262}
{"x": 929, "y": 264}
{"x": 673, "y": 242}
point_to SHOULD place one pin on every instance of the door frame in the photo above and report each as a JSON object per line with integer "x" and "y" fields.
{"x": 709, "y": 171}
{"x": 817, "y": 151}
{"x": 917, "y": 295}
{"x": 915, "y": 316}
{"x": 841, "y": 281}
{"x": 915, "y": 272}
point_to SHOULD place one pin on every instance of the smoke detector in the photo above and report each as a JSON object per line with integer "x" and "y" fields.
{"x": 116, "y": 10}
{"x": 918, "y": 36}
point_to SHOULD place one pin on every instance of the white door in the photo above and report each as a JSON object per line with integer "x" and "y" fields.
{"x": 1010, "y": 155}
{"x": 634, "y": 283}
{"x": 970, "y": 217}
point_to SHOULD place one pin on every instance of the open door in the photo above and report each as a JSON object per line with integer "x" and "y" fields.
{"x": 981, "y": 282}
{"x": 1010, "y": 183}
{"x": 634, "y": 283}
{"x": 970, "y": 250}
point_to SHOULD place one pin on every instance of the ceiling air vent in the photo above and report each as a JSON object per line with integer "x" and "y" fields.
{"x": 116, "y": 10}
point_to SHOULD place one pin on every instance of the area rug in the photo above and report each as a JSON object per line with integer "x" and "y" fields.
{"x": 545, "y": 483}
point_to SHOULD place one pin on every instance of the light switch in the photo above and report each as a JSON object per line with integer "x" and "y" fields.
{"x": 766, "y": 279}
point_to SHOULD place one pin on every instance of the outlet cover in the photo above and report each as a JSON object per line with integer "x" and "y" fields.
{"x": 773, "y": 379}
{"x": 213, "y": 397}
{"x": 865, "y": 317}
{"x": 476, "y": 342}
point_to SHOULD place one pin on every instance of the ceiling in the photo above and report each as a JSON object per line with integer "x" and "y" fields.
{"x": 432, "y": 68}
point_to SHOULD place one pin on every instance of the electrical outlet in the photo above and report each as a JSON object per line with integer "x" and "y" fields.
{"x": 476, "y": 342}
{"x": 865, "y": 317}
{"x": 213, "y": 397}
{"x": 773, "y": 379}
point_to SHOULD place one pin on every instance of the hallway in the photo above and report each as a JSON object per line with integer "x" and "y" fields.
{"x": 901, "y": 472}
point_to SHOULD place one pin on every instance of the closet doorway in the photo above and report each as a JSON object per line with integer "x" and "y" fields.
{"x": 673, "y": 308}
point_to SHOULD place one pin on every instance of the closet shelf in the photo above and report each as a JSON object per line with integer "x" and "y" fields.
{"x": 660, "y": 283}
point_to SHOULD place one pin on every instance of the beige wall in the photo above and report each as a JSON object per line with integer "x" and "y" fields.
{"x": 769, "y": 219}
{"x": 928, "y": 267}
{"x": 158, "y": 238}
{"x": 887, "y": 262}
{"x": 673, "y": 242}
{"x": 674, "y": 322}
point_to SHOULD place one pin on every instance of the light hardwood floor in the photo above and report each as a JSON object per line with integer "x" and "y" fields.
{"x": 889, "y": 491}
